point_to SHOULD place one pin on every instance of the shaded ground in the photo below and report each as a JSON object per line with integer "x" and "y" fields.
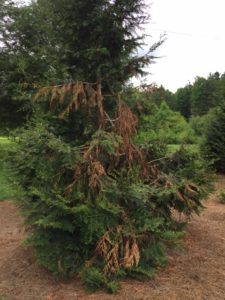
{"x": 196, "y": 272}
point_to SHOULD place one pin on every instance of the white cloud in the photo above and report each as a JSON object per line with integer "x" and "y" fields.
{"x": 195, "y": 43}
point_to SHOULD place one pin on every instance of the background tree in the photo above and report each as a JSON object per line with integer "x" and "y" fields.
{"x": 183, "y": 101}
{"x": 214, "y": 143}
{"x": 26, "y": 59}
{"x": 206, "y": 94}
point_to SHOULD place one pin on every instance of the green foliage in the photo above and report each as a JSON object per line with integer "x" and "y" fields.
{"x": 166, "y": 126}
{"x": 26, "y": 60}
{"x": 8, "y": 189}
{"x": 187, "y": 162}
{"x": 214, "y": 142}
{"x": 183, "y": 101}
{"x": 158, "y": 95}
{"x": 94, "y": 279}
{"x": 140, "y": 273}
{"x": 194, "y": 101}
{"x": 199, "y": 124}
{"x": 206, "y": 94}
{"x": 222, "y": 197}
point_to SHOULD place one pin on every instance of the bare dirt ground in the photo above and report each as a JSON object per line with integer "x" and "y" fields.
{"x": 195, "y": 272}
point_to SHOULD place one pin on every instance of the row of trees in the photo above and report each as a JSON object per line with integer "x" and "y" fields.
{"x": 192, "y": 100}
{"x": 204, "y": 104}
{"x": 203, "y": 95}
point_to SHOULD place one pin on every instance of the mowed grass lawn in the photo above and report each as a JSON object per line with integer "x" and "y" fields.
{"x": 7, "y": 188}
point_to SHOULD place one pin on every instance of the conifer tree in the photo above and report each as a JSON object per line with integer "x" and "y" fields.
{"x": 214, "y": 143}
{"x": 96, "y": 203}
{"x": 183, "y": 101}
{"x": 206, "y": 94}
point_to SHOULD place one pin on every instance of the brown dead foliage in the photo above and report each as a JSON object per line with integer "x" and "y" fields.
{"x": 95, "y": 171}
{"x": 75, "y": 95}
{"x": 118, "y": 252}
{"x": 126, "y": 126}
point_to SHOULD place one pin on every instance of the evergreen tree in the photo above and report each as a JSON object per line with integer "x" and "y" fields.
{"x": 96, "y": 202}
{"x": 206, "y": 94}
{"x": 214, "y": 143}
{"x": 26, "y": 60}
{"x": 183, "y": 101}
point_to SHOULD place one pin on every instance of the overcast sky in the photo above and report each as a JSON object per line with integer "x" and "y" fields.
{"x": 195, "y": 44}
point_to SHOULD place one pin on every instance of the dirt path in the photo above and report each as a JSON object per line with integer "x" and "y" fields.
{"x": 196, "y": 272}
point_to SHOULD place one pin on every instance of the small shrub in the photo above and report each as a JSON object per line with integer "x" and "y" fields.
{"x": 93, "y": 278}
{"x": 222, "y": 197}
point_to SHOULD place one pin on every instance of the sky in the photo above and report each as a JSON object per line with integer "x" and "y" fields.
{"x": 195, "y": 44}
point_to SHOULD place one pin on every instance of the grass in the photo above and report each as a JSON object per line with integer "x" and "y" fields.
{"x": 7, "y": 189}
